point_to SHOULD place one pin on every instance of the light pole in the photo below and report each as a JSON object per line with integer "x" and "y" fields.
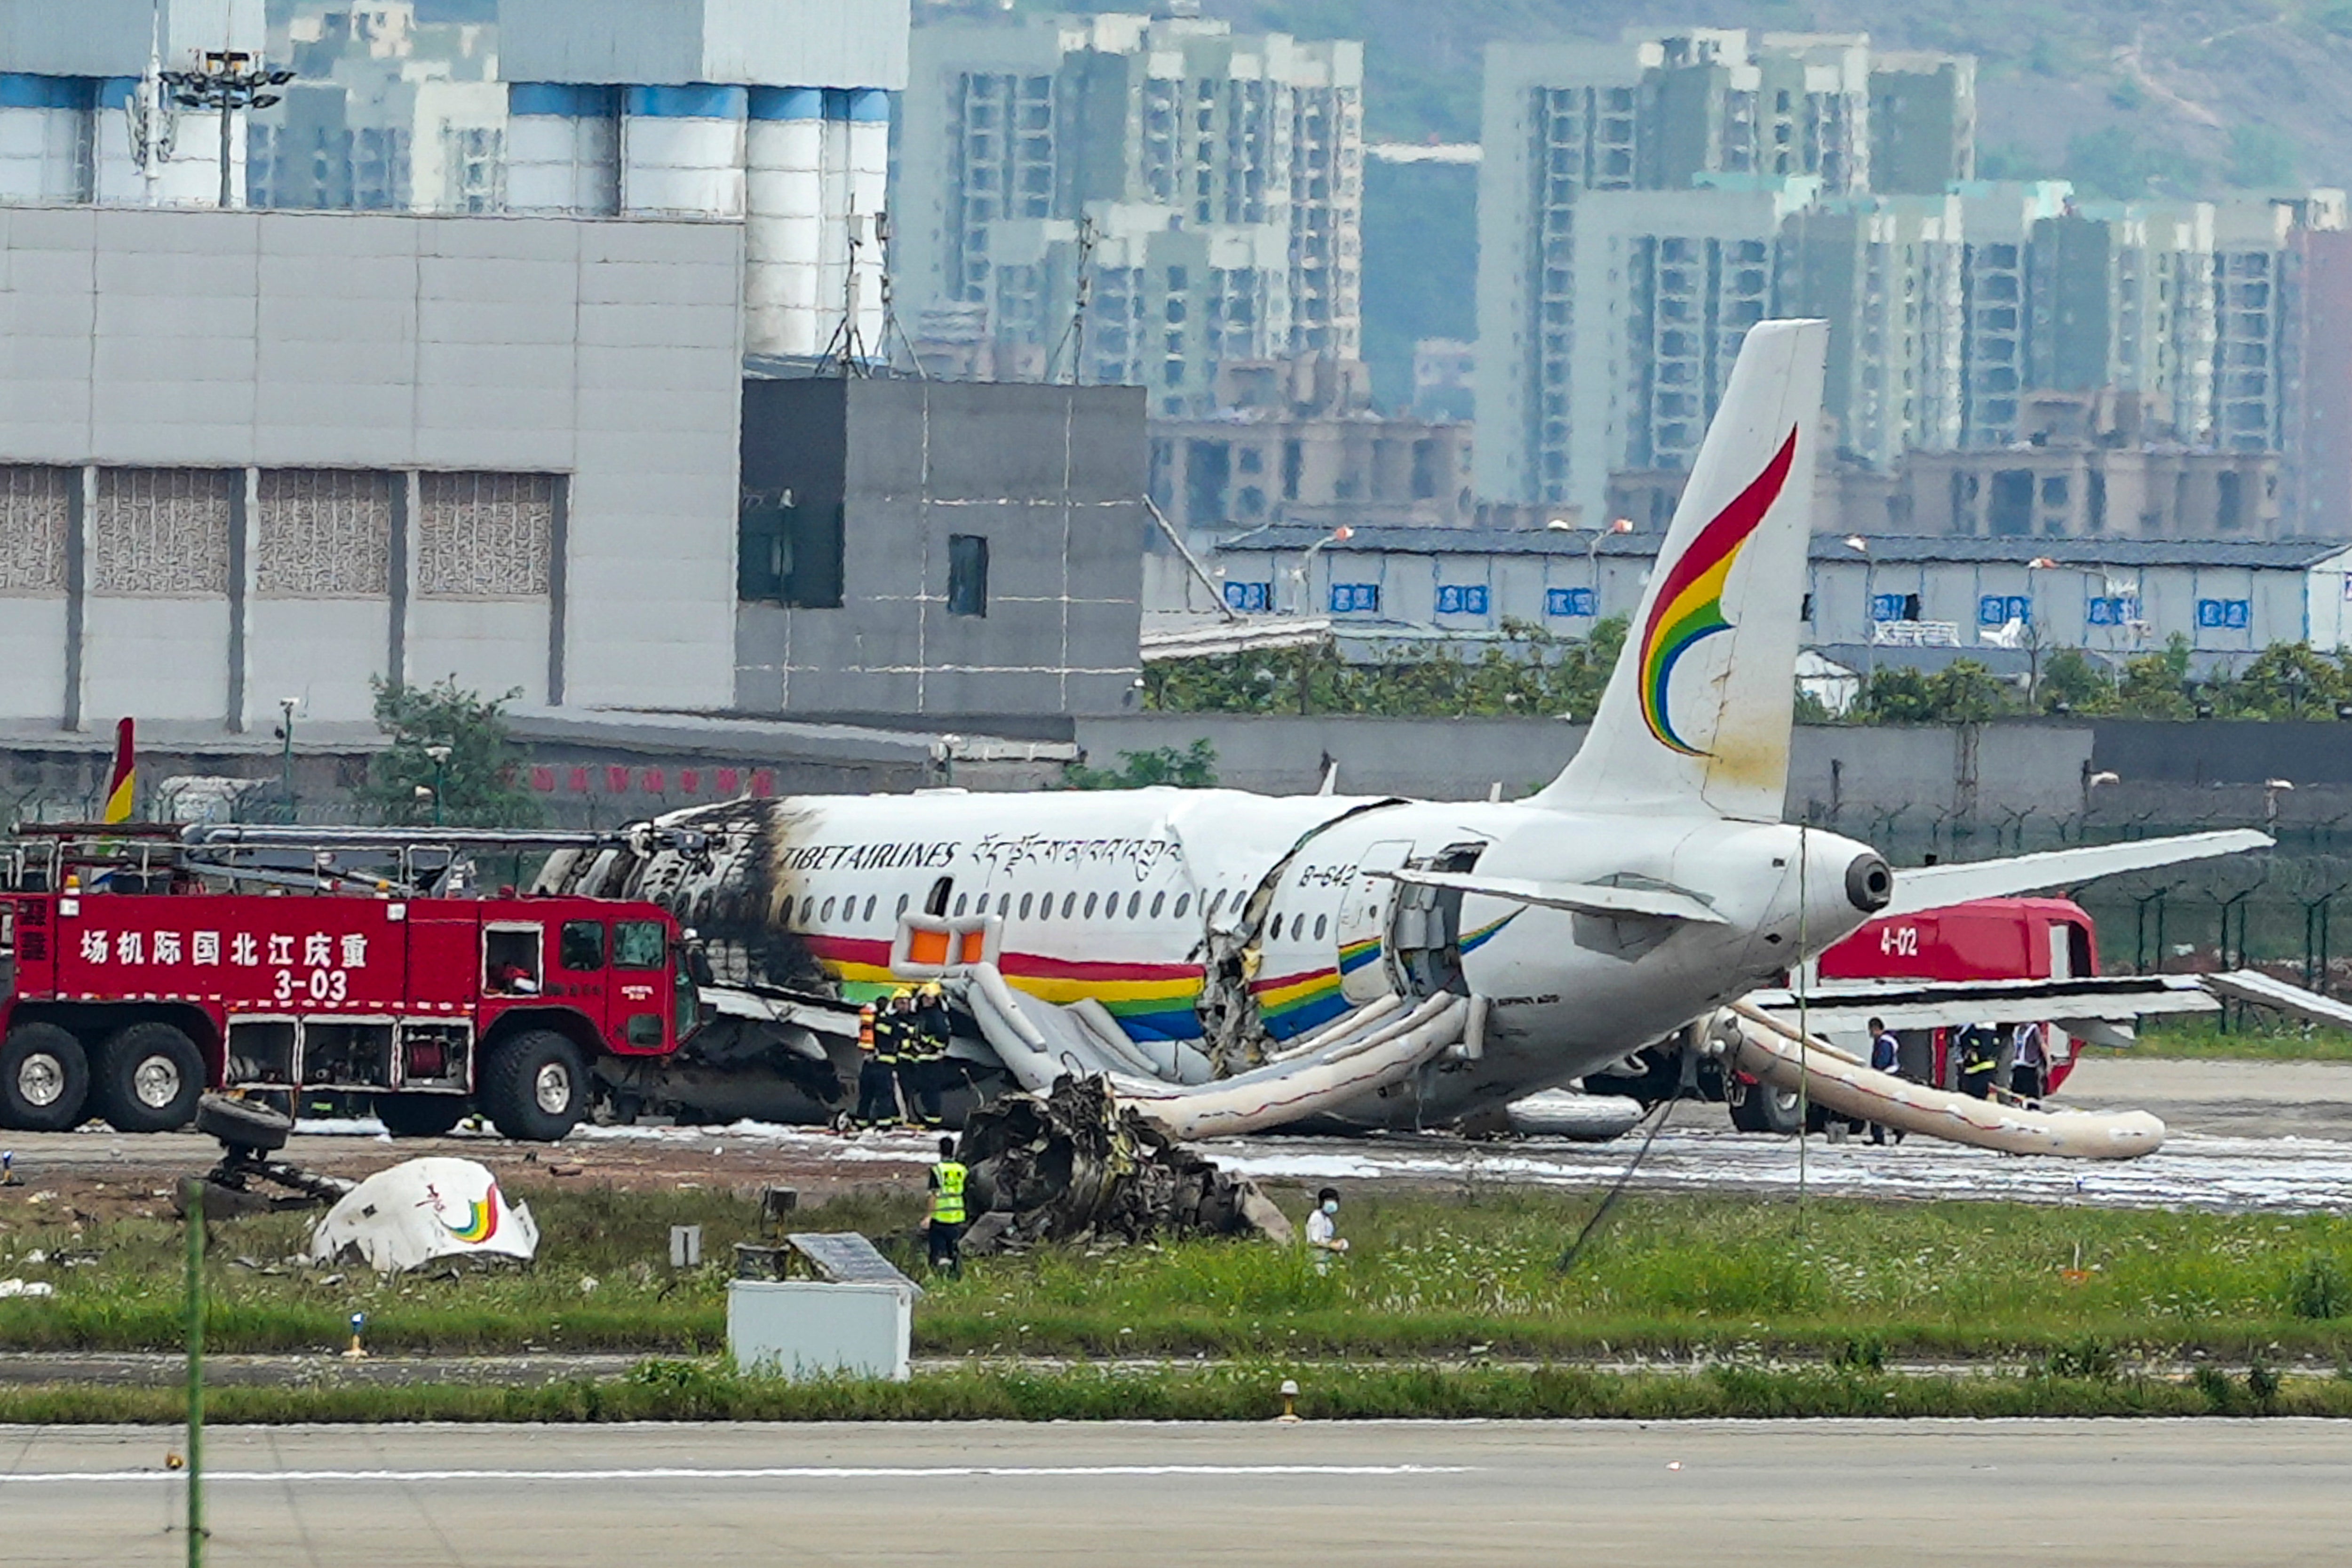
{"x": 1305, "y": 567}
{"x": 285, "y": 706}
{"x": 440, "y": 755}
{"x": 1592, "y": 547}
{"x": 230, "y": 80}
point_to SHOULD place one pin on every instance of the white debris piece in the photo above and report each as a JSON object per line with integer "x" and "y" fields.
{"x": 423, "y": 1210}
{"x": 9, "y": 1288}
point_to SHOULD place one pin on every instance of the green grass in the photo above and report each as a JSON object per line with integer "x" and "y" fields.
{"x": 694, "y": 1391}
{"x": 2258, "y": 1039}
{"x": 1432, "y": 1276}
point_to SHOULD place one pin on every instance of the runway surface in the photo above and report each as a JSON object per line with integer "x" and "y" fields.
{"x": 1823, "y": 1495}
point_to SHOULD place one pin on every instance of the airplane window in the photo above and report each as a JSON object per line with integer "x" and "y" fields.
{"x": 1024, "y": 904}
{"x": 1216, "y": 903}
{"x": 825, "y": 918}
{"x": 1111, "y": 908}
{"x": 1090, "y": 903}
{"x": 1158, "y": 899}
{"x": 1069, "y": 902}
{"x": 1276, "y": 931}
{"x": 903, "y": 901}
{"x": 1004, "y": 905}
{"x": 869, "y": 908}
{"x": 1184, "y": 903}
{"x": 961, "y": 898}
{"x": 1322, "y": 924}
{"x": 1134, "y": 904}
{"x": 786, "y": 917}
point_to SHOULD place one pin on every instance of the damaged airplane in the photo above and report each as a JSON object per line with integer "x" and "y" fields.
{"x": 1232, "y": 962}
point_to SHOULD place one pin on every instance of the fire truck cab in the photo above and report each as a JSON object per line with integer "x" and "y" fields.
{"x": 135, "y": 972}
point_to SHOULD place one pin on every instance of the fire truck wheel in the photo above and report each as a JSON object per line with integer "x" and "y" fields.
{"x": 534, "y": 1086}
{"x": 419, "y": 1115}
{"x": 148, "y": 1078}
{"x": 44, "y": 1080}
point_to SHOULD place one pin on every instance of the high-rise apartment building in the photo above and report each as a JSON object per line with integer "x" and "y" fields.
{"x": 1719, "y": 119}
{"x": 1141, "y": 199}
{"x": 1889, "y": 269}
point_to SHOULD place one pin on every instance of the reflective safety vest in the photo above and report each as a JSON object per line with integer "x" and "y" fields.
{"x": 865, "y": 1029}
{"x": 947, "y": 1202}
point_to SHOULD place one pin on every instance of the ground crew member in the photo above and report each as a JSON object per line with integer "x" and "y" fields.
{"x": 1886, "y": 1056}
{"x": 945, "y": 1227}
{"x": 1979, "y": 1060}
{"x": 875, "y": 1083}
{"x": 1323, "y": 1238}
{"x": 2029, "y": 1064}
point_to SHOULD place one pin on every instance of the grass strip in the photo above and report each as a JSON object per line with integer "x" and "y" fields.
{"x": 1433, "y": 1275}
{"x": 2258, "y": 1037}
{"x": 671, "y": 1390}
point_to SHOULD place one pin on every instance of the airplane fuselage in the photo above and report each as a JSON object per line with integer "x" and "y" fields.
{"x": 1229, "y": 922}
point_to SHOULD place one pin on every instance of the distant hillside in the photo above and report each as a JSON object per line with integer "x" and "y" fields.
{"x": 2125, "y": 97}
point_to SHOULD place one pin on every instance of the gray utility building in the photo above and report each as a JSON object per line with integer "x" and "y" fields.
{"x": 925, "y": 548}
{"x": 247, "y": 456}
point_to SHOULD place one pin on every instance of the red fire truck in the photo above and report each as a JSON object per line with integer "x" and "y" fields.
{"x": 136, "y": 970}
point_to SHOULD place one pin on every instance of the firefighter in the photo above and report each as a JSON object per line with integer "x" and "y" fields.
{"x": 1979, "y": 1060}
{"x": 875, "y": 1083}
{"x": 914, "y": 1063}
{"x": 889, "y": 1040}
{"x": 931, "y": 1029}
{"x": 945, "y": 1227}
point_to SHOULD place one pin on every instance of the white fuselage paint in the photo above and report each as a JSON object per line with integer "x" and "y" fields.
{"x": 1132, "y": 897}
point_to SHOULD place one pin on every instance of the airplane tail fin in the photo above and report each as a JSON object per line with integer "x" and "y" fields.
{"x": 122, "y": 789}
{"x": 1697, "y": 712}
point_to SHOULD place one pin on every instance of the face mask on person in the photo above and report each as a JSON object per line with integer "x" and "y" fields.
{"x": 1330, "y": 1205}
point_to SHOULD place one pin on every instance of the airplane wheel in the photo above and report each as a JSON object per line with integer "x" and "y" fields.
{"x": 44, "y": 1080}
{"x": 148, "y": 1078}
{"x": 1764, "y": 1109}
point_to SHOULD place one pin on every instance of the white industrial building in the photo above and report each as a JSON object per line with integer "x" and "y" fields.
{"x": 250, "y": 457}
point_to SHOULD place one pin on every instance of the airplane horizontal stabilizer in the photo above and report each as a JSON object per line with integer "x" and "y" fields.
{"x": 2121, "y": 1000}
{"x": 1577, "y": 897}
{"x": 1939, "y": 886}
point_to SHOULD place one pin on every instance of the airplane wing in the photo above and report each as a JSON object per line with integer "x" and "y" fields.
{"x": 1937, "y": 887}
{"x": 1577, "y": 897}
{"x": 2103, "y": 1009}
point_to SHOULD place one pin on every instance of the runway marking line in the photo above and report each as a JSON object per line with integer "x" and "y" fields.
{"x": 771, "y": 1473}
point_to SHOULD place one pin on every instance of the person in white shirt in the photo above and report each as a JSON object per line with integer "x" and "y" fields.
{"x": 1323, "y": 1228}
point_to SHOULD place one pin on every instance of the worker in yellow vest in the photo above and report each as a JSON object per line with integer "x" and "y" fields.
{"x": 947, "y": 1222}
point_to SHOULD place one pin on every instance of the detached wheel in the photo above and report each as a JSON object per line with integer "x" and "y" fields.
{"x": 534, "y": 1086}
{"x": 148, "y": 1078}
{"x": 419, "y": 1115}
{"x": 244, "y": 1123}
{"x": 44, "y": 1080}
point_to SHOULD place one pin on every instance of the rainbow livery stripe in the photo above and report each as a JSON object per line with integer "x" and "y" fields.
{"x": 481, "y": 1220}
{"x": 1689, "y": 607}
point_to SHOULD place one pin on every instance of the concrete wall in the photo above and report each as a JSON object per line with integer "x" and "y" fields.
{"x": 602, "y": 357}
{"x": 1052, "y": 476}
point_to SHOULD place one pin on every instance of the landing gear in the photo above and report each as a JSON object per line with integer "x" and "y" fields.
{"x": 1761, "y": 1108}
{"x": 147, "y": 1079}
{"x": 44, "y": 1080}
{"x": 534, "y": 1086}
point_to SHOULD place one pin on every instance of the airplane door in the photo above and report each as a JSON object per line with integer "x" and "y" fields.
{"x": 1363, "y": 921}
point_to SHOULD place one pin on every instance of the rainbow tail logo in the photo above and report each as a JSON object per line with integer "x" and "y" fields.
{"x": 1688, "y": 609}
{"x": 481, "y": 1219}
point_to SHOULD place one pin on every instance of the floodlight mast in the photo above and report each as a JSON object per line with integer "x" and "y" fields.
{"x": 229, "y": 81}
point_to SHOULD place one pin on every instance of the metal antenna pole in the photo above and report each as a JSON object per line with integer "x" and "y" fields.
{"x": 193, "y": 1196}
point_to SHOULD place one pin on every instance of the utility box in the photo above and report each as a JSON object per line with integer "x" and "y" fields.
{"x": 851, "y": 1312}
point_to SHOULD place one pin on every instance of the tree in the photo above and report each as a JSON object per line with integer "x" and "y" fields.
{"x": 2156, "y": 685}
{"x": 2071, "y": 680}
{"x": 1195, "y": 767}
{"x": 474, "y": 788}
{"x": 1526, "y": 671}
{"x": 2286, "y": 680}
{"x": 1963, "y": 692}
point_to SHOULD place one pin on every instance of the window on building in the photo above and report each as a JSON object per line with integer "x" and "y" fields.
{"x": 1347, "y": 598}
{"x": 486, "y": 536}
{"x": 789, "y": 554}
{"x": 1249, "y": 598}
{"x": 1462, "y": 598}
{"x": 1577, "y": 602}
{"x": 967, "y": 575}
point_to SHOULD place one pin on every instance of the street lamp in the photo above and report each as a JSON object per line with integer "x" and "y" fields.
{"x": 229, "y": 81}
{"x": 1306, "y": 566}
{"x": 440, "y": 755}
{"x": 285, "y": 706}
{"x": 1592, "y": 545}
